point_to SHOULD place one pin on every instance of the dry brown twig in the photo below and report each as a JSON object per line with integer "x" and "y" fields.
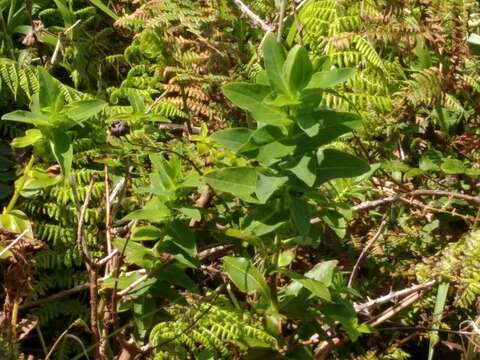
{"x": 202, "y": 201}
{"x": 254, "y": 18}
{"x": 406, "y": 197}
{"x": 365, "y": 250}
{"x": 323, "y": 349}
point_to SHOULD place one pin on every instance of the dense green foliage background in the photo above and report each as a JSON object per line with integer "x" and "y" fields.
{"x": 239, "y": 179}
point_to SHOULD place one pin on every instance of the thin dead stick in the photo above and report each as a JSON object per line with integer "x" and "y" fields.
{"x": 58, "y": 46}
{"x": 204, "y": 255}
{"x": 60, "y": 338}
{"x": 387, "y": 314}
{"x": 365, "y": 251}
{"x": 91, "y": 265}
{"x": 201, "y": 202}
{"x": 81, "y": 210}
{"x": 107, "y": 258}
{"x": 471, "y": 199}
{"x": 283, "y": 6}
{"x": 393, "y": 296}
{"x": 74, "y": 290}
{"x": 14, "y": 242}
{"x": 256, "y": 20}
{"x": 324, "y": 349}
{"x": 367, "y": 205}
{"x": 133, "y": 285}
{"x": 419, "y": 204}
{"x": 108, "y": 222}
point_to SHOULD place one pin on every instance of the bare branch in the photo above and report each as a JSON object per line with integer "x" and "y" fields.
{"x": 393, "y": 296}
{"x": 392, "y": 311}
{"x": 365, "y": 251}
{"x": 367, "y": 205}
{"x": 256, "y": 20}
{"x": 14, "y": 242}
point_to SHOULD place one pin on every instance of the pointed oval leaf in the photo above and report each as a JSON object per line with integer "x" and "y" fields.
{"x": 238, "y": 181}
{"x": 327, "y": 124}
{"x": 62, "y": 149}
{"x": 31, "y": 137}
{"x": 270, "y": 115}
{"x": 337, "y": 164}
{"x": 297, "y": 69}
{"x": 244, "y": 95}
{"x": 316, "y": 287}
{"x": 49, "y": 89}
{"x": 232, "y": 139}
{"x": 305, "y": 169}
{"x": 84, "y": 109}
{"x": 27, "y": 118}
{"x": 274, "y": 58}
{"x": 330, "y": 78}
{"x": 245, "y": 276}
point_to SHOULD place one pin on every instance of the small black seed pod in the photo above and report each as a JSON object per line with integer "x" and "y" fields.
{"x": 119, "y": 128}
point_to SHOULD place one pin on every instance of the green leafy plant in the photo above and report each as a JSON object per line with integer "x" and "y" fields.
{"x": 53, "y": 119}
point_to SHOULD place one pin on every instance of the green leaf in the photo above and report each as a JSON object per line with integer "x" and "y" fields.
{"x": 270, "y": 115}
{"x": 232, "y": 139}
{"x": 267, "y": 185}
{"x": 146, "y": 233}
{"x": 249, "y": 97}
{"x": 453, "y": 166}
{"x": 245, "y": 276}
{"x": 105, "y": 9}
{"x": 430, "y": 161}
{"x": 344, "y": 312}
{"x": 39, "y": 179}
{"x": 442, "y": 293}
{"x": 301, "y": 215}
{"x": 316, "y": 287}
{"x": 297, "y": 69}
{"x": 262, "y": 136}
{"x": 335, "y": 221}
{"x": 267, "y": 144}
{"x": 337, "y": 164}
{"x": 49, "y": 89}
{"x": 180, "y": 243}
{"x": 305, "y": 169}
{"x": 322, "y": 272}
{"x": 31, "y": 137}
{"x": 238, "y": 181}
{"x": 327, "y": 125}
{"x": 16, "y": 222}
{"x": 285, "y": 258}
{"x": 191, "y": 213}
{"x": 136, "y": 253}
{"x": 144, "y": 314}
{"x": 174, "y": 273}
{"x": 27, "y": 118}
{"x": 245, "y": 236}
{"x": 274, "y": 58}
{"x": 84, "y": 109}
{"x": 154, "y": 210}
{"x": 244, "y": 95}
{"x": 330, "y": 78}
{"x": 263, "y": 220}
{"x": 62, "y": 149}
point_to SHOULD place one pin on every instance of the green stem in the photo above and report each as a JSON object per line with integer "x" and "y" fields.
{"x": 19, "y": 187}
{"x": 8, "y": 39}
{"x": 283, "y": 6}
{"x": 273, "y": 282}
